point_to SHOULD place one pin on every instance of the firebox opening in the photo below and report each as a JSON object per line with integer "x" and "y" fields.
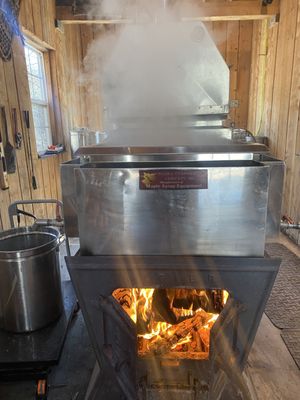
{"x": 173, "y": 323}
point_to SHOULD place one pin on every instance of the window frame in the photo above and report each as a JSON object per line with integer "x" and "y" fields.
{"x": 47, "y": 89}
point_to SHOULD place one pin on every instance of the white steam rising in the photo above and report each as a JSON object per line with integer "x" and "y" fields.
{"x": 155, "y": 66}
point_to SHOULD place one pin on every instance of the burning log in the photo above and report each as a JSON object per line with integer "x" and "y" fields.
{"x": 193, "y": 355}
{"x": 163, "y": 329}
{"x": 196, "y": 343}
{"x": 205, "y": 336}
{"x": 162, "y": 306}
{"x": 178, "y": 334}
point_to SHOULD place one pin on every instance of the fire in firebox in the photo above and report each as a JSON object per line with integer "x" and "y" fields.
{"x": 172, "y": 323}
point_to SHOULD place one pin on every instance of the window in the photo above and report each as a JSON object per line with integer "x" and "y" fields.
{"x": 39, "y": 97}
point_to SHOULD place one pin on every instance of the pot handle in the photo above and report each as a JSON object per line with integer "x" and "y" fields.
{"x": 61, "y": 239}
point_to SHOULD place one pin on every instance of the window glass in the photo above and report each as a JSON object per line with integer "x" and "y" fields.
{"x": 39, "y": 99}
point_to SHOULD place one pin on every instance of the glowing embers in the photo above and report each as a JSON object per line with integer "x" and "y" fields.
{"x": 173, "y": 323}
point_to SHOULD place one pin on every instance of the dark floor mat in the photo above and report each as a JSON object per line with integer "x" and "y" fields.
{"x": 283, "y": 307}
{"x": 291, "y": 338}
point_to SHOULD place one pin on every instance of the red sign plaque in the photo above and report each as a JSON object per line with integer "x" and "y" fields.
{"x": 173, "y": 179}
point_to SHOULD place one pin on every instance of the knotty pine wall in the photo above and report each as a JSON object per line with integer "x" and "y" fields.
{"x": 37, "y": 18}
{"x": 274, "y": 108}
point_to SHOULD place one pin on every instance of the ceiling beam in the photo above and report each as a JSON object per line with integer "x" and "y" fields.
{"x": 213, "y": 11}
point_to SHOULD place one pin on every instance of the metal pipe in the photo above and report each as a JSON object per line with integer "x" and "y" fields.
{"x": 286, "y": 225}
{"x": 49, "y": 222}
{"x": 13, "y": 208}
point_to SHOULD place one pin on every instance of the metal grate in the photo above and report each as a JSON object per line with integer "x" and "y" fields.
{"x": 9, "y": 11}
{"x": 6, "y": 35}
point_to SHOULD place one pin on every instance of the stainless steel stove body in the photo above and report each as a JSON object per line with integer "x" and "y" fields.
{"x": 173, "y": 202}
{"x": 172, "y": 218}
{"x": 106, "y": 180}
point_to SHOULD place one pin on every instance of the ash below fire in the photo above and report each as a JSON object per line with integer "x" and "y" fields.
{"x": 154, "y": 67}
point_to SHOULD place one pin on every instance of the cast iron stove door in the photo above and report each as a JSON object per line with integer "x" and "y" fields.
{"x": 114, "y": 335}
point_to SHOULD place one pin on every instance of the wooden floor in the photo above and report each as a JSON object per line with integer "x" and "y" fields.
{"x": 271, "y": 372}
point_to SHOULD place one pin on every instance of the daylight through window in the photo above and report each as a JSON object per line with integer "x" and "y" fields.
{"x": 39, "y": 98}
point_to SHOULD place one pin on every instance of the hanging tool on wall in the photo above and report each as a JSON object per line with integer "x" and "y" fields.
{"x": 17, "y": 134}
{"x": 28, "y": 148}
{"x": 3, "y": 169}
{"x": 288, "y": 223}
{"x": 9, "y": 150}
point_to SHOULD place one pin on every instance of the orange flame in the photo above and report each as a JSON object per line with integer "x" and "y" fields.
{"x": 190, "y": 335}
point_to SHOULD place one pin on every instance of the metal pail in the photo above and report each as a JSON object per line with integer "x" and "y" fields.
{"x": 30, "y": 287}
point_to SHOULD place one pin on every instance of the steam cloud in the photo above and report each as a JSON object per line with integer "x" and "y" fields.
{"x": 155, "y": 66}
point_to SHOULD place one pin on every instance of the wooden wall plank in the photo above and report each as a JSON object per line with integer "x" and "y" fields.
{"x": 80, "y": 90}
{"x": 5, "y": 199}
{"x": 219, "y": 34}
{"x": 292, "y": 125}
{"x": 298, "y": 137}
{"x": 257, "y": 80}
{"x": 92, "y": 92}
{"x": 76, "y": 96}
{"x": 253, "y": 89}
{"x": 51, "y": 22}
{"x": 86, "y": 37}
{"x": 269, "y": 83}
{"x": 282, "y": 114}
{"x": 46, "y": 183}
{"x": 243, "y": 78}
{"x": 45, "y": 22}
{"x": 26, "y": 15}
{"x": 282, "y": 101}
{"x": 53, "y": 166}
{"x": 71, "y": 95}
{"x": 23, "y": 14}
{"x": 37, "y": 18}
{"x": 58, "y": 135}
{"x": 50, "y": 97}
{"x": 61, "y": 90}
{"x": 282, "y": 75}
{"x": 233, "y": 34}
{"x": 292, "y": 179}
{"x": 286, "y": 58}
